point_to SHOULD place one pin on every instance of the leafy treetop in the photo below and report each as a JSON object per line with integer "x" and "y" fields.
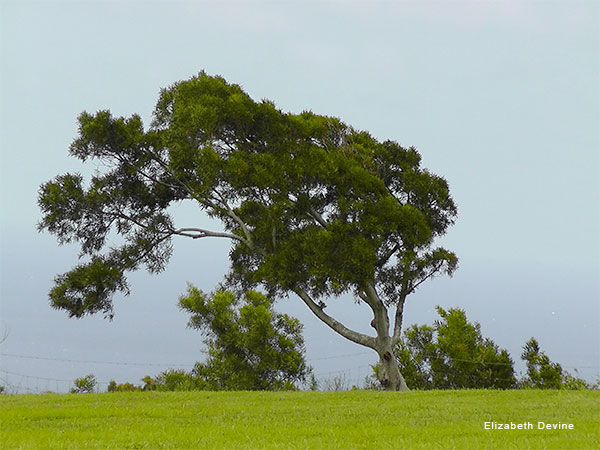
{"x": 308, "y": 201}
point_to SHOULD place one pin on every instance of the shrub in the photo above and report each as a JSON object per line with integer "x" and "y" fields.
{"x": 542, "y": 373}
{"x": 84, "y": 385}
{"x": 453, "y": 354}
{"x": 123, "y": 387}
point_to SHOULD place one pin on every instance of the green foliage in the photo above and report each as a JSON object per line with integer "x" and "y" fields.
{"x": 542, "y": 373}
{"x": 149, "y": 383}
{"x": 573, "y": 383}
{"x": 312, "y": 206}
{"x": 122, "y": 387}
{"x": 169, "y": 380}
{"x": 309, "y": 202}
{"x": 313, "y": 383}
{"x": 84, "y": 385}
{"x": 251, "y": 347}
{"x": 453, "y": 354}
{"x": 176, "y": 380}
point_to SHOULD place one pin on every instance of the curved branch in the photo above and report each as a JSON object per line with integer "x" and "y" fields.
{"x": 380, "y": 312}
{"x": 231, "y": 213}
{"x": 336, "y": 326}
{"x": 198, "y": 233}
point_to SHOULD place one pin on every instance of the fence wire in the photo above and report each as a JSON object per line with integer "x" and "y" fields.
{"x": 353, "y": 376}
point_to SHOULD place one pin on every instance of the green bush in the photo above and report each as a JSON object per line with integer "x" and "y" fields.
{"x": 453, "y": 354}
{"x": 84, "y": 385}
{"x": 251, "y": 346}
{"x": 542, "y": 373}
{"x": 178, "y": 380}
{"x": 123, "y": 387}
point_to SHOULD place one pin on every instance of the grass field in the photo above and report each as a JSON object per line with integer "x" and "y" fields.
{"x": 298, "y": 420}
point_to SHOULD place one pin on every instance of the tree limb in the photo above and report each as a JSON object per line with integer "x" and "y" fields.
{"x": 198, "y": 233}
{"x": 315, "y": 215}
{"x": 121, "y": 215}
{"x": 166, "y": 168}
{"x": 382, "y": 321}
{"x": 156, "y": 180}
{"x": 231, "y": 213}
{"x": 398, "y": 321}
{"x": 429, "y": 275}
{"x": 383, "y": 261}
{"x": 338, "y": 327}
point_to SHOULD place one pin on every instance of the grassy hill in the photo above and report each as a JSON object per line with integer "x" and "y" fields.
{"x": 299, "y": 420}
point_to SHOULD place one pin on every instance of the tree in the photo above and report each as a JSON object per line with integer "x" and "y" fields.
{"x": 541, "y": 372}
{"x": 84, "y": 385}
{"x": 453, "y": 354}
{"x": 313, "y": 207}
{"x": 251, "y": 347}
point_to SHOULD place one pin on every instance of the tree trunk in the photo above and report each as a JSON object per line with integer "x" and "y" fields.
{"x": 389, "y": 374}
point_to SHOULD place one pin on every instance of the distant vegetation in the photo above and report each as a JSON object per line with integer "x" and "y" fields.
{"x": 253, "y": 348}
{"x": 453, "y": 354}
{"x": 85, "y": 385}
{"x": 250, "y": 347}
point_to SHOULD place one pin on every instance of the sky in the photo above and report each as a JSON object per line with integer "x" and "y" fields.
{"x": 502, "y": 98}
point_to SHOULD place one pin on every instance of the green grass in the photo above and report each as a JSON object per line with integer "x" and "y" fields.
{"x": 298, "y": 420}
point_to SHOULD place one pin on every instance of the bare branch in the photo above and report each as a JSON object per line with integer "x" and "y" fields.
{"x": 231, "y": 213}
{"x": 372, "y": 298}
{"x": 338, "y": 327}
{"x": 400, "y": 305}
{"x": 157, "y": 181}
{"x": 398, "y": 321}
{"x": 381, "y": 319}
{"x": 124, "y": 216}
{"x": 315, "y": 215}
{"x": 198, "y": 233}
{"x": 429, "y": 275}
{"x": 166, "y": 168}
{"x": 387, "y": 257}
{"x": 363, "y": 296}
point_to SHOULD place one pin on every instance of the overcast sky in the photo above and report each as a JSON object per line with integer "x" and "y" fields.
{"x": 502, "y": 98}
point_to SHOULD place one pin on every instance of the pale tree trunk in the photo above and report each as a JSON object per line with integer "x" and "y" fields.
{"x": 389, "y": 373}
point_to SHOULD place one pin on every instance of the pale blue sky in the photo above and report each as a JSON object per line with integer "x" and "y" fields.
{"x": 501, "y": 98}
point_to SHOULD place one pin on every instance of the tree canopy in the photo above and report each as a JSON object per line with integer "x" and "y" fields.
{"x": 312, "y": 206}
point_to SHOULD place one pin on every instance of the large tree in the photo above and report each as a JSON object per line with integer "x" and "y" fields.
{"x": 313, "y": 207}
